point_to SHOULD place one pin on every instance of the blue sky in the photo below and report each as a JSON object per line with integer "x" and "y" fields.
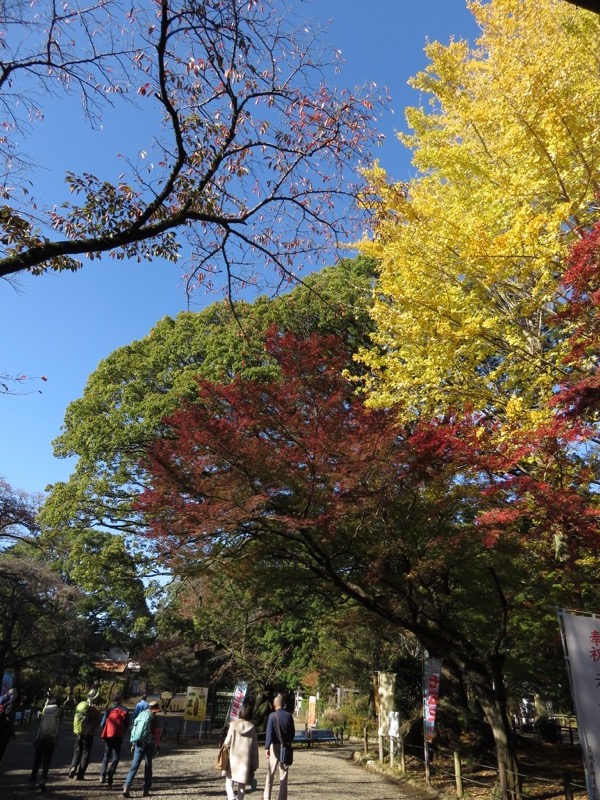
{"x": 63, "y": 325}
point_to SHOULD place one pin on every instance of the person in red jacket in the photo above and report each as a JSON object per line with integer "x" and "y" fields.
{"x": 113, "y": 727}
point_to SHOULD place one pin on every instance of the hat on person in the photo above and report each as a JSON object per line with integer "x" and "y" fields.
{"x": 154, "y": 705}
{"x": 93, "y": 694}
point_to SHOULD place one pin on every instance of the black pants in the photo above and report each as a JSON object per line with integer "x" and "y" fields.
{"x": 112, "y": 755}
{"x": 44, "y": 750}
{"x": 81, "y": 755}
{"x": 4, "y": 740}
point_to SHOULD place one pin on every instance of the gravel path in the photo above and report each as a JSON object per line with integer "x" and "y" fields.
{"x": 187, "y": 771}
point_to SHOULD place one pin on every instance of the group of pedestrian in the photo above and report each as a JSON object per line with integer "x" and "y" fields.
{"x": 114, "y": 724}
{"x": 241, "y": 743}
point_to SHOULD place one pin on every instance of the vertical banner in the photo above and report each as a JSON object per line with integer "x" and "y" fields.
{"x": 581, "y": 643}
{"x": 239, "y": 695}
{"x": 432, "y": 671}
{"x": 311, "y": 719}
{"x": 195, "y": 704}
{"x": 386, "y": 683}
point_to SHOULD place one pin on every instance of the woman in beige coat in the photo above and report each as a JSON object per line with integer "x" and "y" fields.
{"x": 243, "y": 755}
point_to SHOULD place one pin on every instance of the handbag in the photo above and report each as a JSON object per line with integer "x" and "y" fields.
{"x": 222, "y": 760}
{"x": 286, "y": 754}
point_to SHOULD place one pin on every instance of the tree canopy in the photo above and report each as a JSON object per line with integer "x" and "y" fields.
{"x": 434, "y": 528}
{"x": 472, "y": 249}
{"x": 249, "y": 168}
{"x": 131, "y": 391}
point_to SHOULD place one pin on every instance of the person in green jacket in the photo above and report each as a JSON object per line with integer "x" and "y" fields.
{"x": 85, "y": 724}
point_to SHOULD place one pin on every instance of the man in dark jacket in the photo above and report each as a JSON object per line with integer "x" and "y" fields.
{"x": 280, "y": 730}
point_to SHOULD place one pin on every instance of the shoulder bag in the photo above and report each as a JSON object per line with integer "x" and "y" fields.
{"x": 222, "y": 761}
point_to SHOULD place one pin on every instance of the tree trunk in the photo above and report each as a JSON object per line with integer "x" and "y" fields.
{"x": 488, "y": 685}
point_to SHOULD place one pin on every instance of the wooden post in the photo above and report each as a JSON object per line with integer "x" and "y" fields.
{"x": 567, "y": 786}
{"x": 503, "y": 781}
{"x": 365, "y": 740}
{"x": 427, "y": 768}
{"x": 401, "y": 755}
{"x": 458, "y": 775}
{"x": 391, "y": 751}
{"x": 380, "y": 749}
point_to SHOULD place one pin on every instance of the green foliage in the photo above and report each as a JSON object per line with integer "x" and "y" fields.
{"x": 132, "y": 390}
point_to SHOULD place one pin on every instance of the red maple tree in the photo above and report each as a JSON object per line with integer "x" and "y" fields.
{"x": 427, "y": 527}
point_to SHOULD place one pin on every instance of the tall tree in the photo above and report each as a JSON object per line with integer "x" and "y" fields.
{"x": 428, "y": 527}
{"x": 472, "y": 249}
{"x": 17, "y": 515}
{"x": 131, "y": 391}
{"x": 107, "y": 577}
{"x": 251, "y": 161}
{"x": 40, "y": 621}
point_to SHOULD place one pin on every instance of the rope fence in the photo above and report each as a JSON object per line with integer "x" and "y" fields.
{"x": 445, "y": 769}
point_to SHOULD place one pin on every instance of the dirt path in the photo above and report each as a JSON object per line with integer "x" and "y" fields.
{"x": 187, "y": 771}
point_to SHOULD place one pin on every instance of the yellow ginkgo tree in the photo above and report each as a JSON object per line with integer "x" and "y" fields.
{"x": 471, "y": 251}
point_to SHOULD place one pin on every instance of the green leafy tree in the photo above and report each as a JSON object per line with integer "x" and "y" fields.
{"x": 131, "y": 391}
{"x": 238, "y": 633}
{"x": 112, "y": 596}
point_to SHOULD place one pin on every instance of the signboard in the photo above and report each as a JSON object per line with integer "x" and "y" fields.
{"x": 581, "y": 642}
{"x": 195, "y": 704}
{"x": 394, "y": 731}
{"x": 239, "y": 694}
{"x": 386, "y": 683}
{"x": 432, "y": 671}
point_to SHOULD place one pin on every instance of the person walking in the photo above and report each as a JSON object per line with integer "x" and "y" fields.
{"x": 141, "y": 705}
{"x": 242, "y": 744}
{"x": 45, "y": 742}
{"x": 145, "y": 738}
{"x": 113, "y": 727}
{"x": 280, "y": 730}
{"x": 85, "y": 724}
{"x": 8, "y": 703}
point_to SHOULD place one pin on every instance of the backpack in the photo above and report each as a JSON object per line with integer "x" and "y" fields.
{"x": 79, "y": 717}
{"x": 141, "y": 732}
{"x": 91, "y": 721}
{"x": 49, "y": 724}
{"x": 116, "y": 723}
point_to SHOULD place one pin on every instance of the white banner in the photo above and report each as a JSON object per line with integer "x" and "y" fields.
{"x": 581, "y": 641}
{"x": 386, "y": 685}
{"x": 239, "y": 695}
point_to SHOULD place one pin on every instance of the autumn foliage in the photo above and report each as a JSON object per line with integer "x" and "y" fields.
{"x": 303, "y": 467}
